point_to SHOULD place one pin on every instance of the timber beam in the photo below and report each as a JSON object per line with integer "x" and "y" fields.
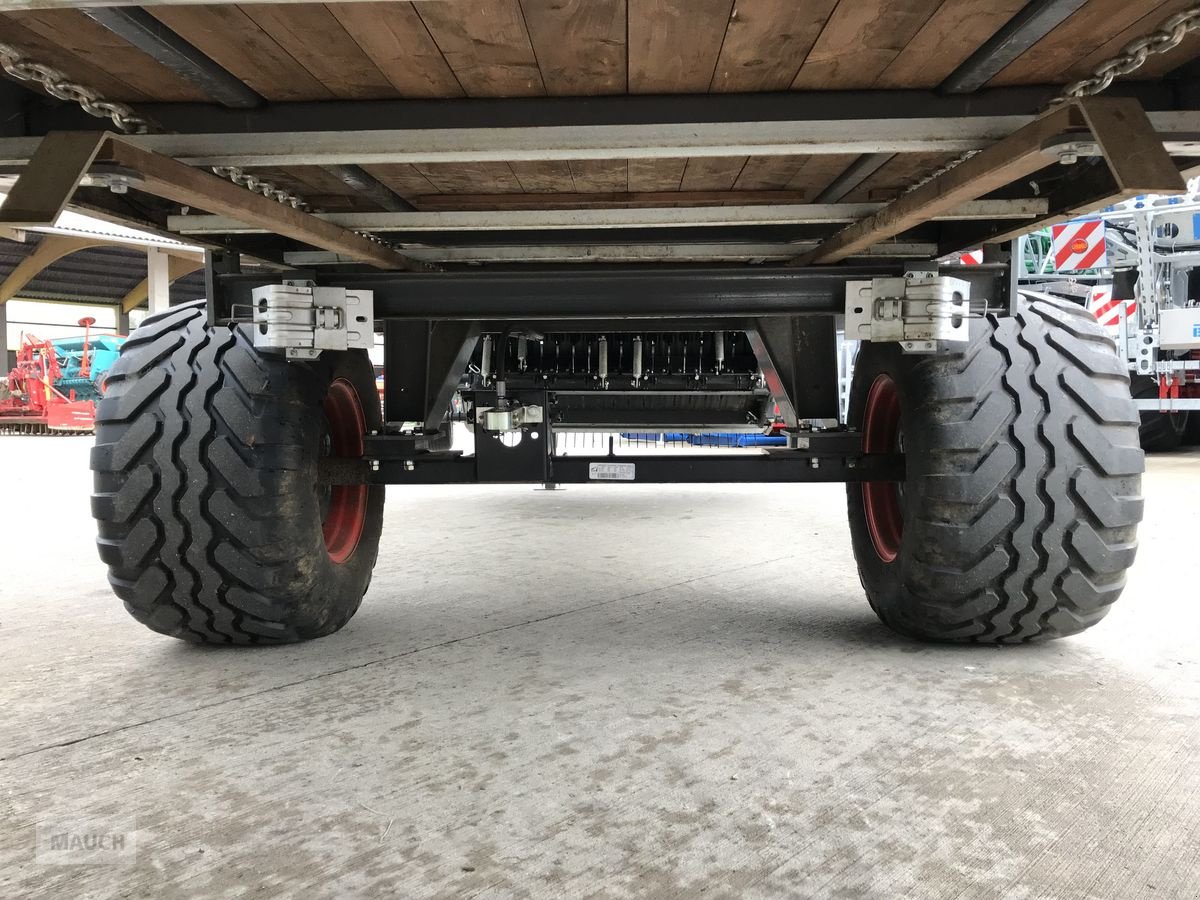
{"x": 50, "y": 250}
{"x": 1133, "y": 154}
{"x": 63, "y": 158}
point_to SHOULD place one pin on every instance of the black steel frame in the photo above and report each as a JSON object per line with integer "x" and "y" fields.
{"x": 433, "y": 321}
{"x": 40, "y": 115}
{"x": 817, "y": 458}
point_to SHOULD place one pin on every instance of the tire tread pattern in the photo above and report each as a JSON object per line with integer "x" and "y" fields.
{"x": 193, "y": 488}
{"x": 1024, "y": 487}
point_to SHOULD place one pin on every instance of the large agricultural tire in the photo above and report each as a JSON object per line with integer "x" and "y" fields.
{"x": 1191, "y": 437}
{"x": 1159, "y": 432}
{"x": 1018, "y": 514}
{"x": 211, "y": 516}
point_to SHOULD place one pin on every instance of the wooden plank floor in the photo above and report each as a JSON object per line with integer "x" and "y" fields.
{"x": 512, "y": 48}
{"x": 518, "y": 48}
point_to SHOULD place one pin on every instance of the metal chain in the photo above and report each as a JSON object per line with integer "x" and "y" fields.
{"x": 1170, "y": 35}
{"x": 259, "y": 186}
{"x": 940, "y": 171}
{"x": 57, "y": 84}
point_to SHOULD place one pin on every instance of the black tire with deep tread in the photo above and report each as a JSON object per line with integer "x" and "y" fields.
{"x": 1191, "y": 437}
{"x": 1023, "y": 481}
{"x": 1159, "y": 432}
{"x": 206, "y": 492}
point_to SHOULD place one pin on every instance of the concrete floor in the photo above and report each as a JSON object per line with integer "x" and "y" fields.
{"x": 611, "y": 691}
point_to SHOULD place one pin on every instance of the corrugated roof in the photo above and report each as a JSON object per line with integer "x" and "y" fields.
{"x": 98, "y": 275}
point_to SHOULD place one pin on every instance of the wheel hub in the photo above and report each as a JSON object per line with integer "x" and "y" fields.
{"x": 344, "y": 507}
{"x": 882, "y": 500}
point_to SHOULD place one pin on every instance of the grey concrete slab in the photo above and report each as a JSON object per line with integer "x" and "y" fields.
{"x": 608, "y": 691}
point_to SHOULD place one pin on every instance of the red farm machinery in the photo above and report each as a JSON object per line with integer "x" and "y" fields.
{"x": 55, "y": 384}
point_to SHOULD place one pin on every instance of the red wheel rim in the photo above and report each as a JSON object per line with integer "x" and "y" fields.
{"x": 347, "y": 512}
{"x": 881, "y": 499}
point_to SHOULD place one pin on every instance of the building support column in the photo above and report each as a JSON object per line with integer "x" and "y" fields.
{"x": 158, "y": 280}
{"x": 10, "y": 358}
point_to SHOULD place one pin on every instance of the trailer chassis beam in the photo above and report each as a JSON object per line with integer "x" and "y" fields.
{"x": 782, "y": 467}
{"x": 771, "y": 467}
{"x": 569, "y": 292}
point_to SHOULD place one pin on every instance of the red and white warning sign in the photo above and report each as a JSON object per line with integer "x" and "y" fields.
{"x": 971, "y": 258}
{"x": 1079, "y": 245}
{"x": 1108, "y": 311}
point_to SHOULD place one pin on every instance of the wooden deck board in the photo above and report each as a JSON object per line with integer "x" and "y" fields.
{"x": 509, "y": 48}
{"x": 861, "y": 39}
{"x": 579, "y": 45}
{"x": 656, "y": 174}
{"x": 674, "y": 44}
{"x": 945, "y": 41}
{"x": 68, "y": 32}
{"x": 74, "y": 65}
{"x": 405, "y": 180}
{"x": 768, "y": 173}
{"x": 1155, "y": 66}
{"x": 471, "y": 178}
{"x": 545, "y": 177}
{"x": 399, "y": 44}
{"x": 486, "y": 45}
{"x": 235, "y": 41}
{"x": 314, "y": 38}
{"x": 816, "y": 172}
{"x": 712, "y": 173}
{"x": 600, "y": 174}
{"x": 766, "y": 42}
{"x": 489, "y": 48}
{"x": 1092, "y": 26}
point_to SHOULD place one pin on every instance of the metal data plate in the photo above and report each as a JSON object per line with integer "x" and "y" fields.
{"x": 607, "y": 471}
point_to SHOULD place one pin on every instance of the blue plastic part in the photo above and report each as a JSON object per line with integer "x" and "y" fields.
{"x": 716, "y": 439}
{"x": 103, "y": 349}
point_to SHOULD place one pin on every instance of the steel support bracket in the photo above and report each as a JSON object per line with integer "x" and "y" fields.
{"x": 301, "y": 319}
{"x": 922, "y": 312}
{"x": 797, "y": 356}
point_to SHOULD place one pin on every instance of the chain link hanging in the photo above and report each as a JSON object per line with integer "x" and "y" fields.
{"x": 58, "y": 84}
{"x": 940, "y": 171}
{"x": 1168, "y": 36}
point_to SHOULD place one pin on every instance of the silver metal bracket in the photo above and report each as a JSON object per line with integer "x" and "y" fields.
{"x": 300, "y": 319}
{"x": 923, "y": 312}
{"x": 513, "y": 418}
{"x": 1146, "y": 353}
